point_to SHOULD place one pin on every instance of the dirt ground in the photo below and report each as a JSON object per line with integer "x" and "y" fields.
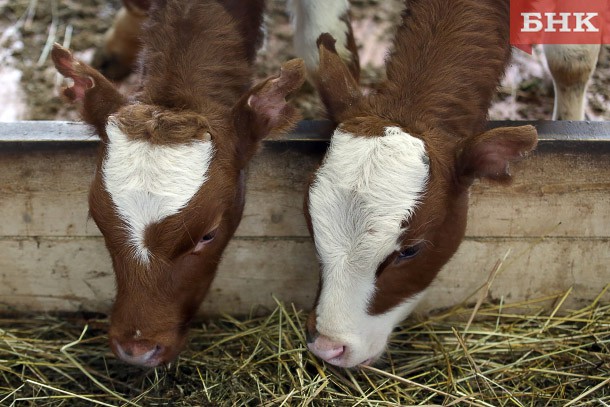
{"x": 30, "y": 84}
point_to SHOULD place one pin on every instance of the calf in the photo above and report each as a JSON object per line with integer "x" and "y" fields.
{"x": 387, "y": 207}
{"x": 168, "y": 192}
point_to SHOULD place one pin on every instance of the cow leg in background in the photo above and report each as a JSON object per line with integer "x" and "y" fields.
{"x": 571, "y": 67}
{"x": 117, "y": 56}
{"x": 310, "y": 18}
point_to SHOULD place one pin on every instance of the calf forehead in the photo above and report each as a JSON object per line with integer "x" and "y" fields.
{"x": 149, "y": 182}
{"x": 363, "y": 192}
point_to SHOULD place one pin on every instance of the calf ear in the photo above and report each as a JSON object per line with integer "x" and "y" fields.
{"x": 336, "y": 85}
{"x": 489, "y": 154}
{"x": 264, "y": 111}
{"x": 96, "y": 95}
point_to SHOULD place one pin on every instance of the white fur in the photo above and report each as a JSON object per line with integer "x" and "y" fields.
{"x": 571, "y": 67}
{"x": 310, "y": 18}
{"x": 363, "y": 192}
{"x": 148, "y": 182}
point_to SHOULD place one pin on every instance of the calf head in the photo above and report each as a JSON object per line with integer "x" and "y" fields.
{"x": 387, "y": 209}
{"x": 167, "y": 196}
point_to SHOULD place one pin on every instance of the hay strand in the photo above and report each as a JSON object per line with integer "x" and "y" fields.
{"x": 511, "y": 355}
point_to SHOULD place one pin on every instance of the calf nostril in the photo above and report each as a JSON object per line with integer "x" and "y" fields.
{"x": 309, "y": 336}
{"x": 138, "y": 352}
{"x": 336, "y": 352}
{"x": 326, "y": 349}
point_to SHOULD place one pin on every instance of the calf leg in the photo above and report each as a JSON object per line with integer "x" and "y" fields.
{"x": 571, "y": 67}
{"x": 117, "y": 57}
{"x": 310, "y": 18}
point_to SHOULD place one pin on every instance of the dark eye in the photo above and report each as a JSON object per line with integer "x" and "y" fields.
{"x": 210, "y": 236}
{"x": 205, "y": 239}
{"x": 408, "y": 252}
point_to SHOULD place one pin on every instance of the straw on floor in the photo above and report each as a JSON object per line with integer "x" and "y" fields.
{"x": 513, "y": 355}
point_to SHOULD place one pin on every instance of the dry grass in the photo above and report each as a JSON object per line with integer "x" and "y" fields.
{"x": 508, "y": 355}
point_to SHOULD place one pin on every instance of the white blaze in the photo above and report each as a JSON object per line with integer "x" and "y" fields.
{"x": 148, "y": 182}
{"x": 363, "y": 192}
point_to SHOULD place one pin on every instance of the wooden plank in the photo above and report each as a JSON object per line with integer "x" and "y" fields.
{"x": 256, "y": 270}
{"x": 55, "y": 274}
{"x": 577, "y": 214}
{"x": 554, "y": 193}
{"x": 279, "y": 214}
{"x": 46, "y": 214}
{"x": 65, "y": 170}
{"x": 44, "y": 193}
{"x": 535, "y": 268}
{"x": 75, "y": 274}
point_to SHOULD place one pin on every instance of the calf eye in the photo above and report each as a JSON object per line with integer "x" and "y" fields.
{"x": 209, "y": 237}
{"x": 205, "y": 239}
{"x": 408, "y": 252}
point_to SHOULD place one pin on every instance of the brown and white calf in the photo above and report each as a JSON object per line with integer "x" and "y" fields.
{"x": 387, "y": 208}
{"x": 168, "y": 192}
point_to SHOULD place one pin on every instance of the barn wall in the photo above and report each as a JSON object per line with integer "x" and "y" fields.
{"x": 554, "y": 223}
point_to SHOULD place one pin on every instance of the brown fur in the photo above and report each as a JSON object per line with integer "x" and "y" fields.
{"x": 195, "y": 72}
{"x": 122, "y": 42}
{"x": 196, "y": 57}
{"x": 161, "y": 126}
{"x": 117, "y": 56}
{"x": 447, "y": 62}
{"x": 449, "y": 57}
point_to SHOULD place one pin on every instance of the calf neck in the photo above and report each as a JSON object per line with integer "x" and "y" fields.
{"x": 168, "y": 192}
{"x": 116, "y": 56}
{"x": 387, "y": 207}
